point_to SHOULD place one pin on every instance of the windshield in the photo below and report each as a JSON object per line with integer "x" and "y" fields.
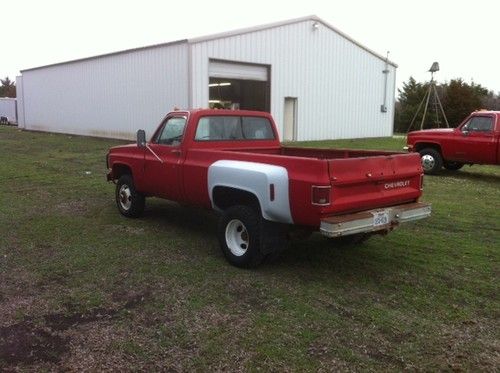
{"x": 221, "y": 128}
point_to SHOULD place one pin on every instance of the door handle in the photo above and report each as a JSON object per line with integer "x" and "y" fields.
{"x": 175, "y": 151}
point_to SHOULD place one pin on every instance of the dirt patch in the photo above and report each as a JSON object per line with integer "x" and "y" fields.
{"x": 249, "y": 297}
{"x": 385, "y": 358}
{"x": 28, "y": 343}
{"x": 125, "y": 229}
{"x": 25, "y": 343}
{"x": 18, "y": 295}
{"x": 456, "y": 342}
{"x": 62, "y": 321}
{"x": 317, "y": 350}
{"x": 72, "y": 208}
{"x": 338, "y": 309}
{"x": 131, "y": 299}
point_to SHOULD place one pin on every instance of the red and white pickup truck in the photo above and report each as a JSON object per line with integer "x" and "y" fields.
{"x": 474, "y": 141}
{"x": 233, "y": 162}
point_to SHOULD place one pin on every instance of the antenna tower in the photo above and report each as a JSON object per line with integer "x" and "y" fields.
{"x": 436, "y": 102}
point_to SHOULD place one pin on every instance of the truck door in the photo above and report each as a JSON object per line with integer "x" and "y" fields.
{"x": 477, "y": 142}
{"x": 163, "y": 159}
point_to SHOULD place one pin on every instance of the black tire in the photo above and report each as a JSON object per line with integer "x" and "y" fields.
{"x": 453, "y": 166}
{"x": 240, "y": 236}
{"x": 432, "y": 161}
{"x": 130, "y": 203}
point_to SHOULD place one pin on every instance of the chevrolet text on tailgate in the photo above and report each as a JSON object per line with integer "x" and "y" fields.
{"x": 232, "y": 161}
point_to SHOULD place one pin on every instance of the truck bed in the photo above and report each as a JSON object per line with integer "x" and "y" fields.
{"x": 319, "y": 153}
{"x": 359, "y": 179}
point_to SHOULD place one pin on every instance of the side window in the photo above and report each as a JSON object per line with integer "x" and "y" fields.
{"x": 172, "y": 131}
{"x": 480, "y": 124}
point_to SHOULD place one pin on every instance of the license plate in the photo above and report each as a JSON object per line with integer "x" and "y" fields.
{"x": 380, "y": 218}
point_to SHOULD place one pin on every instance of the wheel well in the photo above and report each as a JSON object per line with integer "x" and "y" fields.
{"x": 121, "y": 169}
{"x": 225, "y": 197}
{"x": 422, "y": 145}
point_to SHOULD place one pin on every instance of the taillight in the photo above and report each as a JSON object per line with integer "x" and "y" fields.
{"x": 321, "y": 195}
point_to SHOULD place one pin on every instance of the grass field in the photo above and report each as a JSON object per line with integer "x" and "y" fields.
{"x": 82, "y": 287}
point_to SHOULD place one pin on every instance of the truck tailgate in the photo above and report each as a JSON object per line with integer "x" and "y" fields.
{"x": 371, "y": 182}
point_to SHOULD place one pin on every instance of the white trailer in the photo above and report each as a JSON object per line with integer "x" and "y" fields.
{"x": 8, "y": 110}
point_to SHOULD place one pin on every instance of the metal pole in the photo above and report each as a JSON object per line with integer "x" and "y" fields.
{"x": 441, "y": 107}
{"x": 435, "y": 107}
{"x": 416, "y": 113}
{"x": 426, "y": 105}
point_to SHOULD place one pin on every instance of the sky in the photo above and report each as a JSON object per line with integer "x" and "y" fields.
{"x": 461, "y": 35}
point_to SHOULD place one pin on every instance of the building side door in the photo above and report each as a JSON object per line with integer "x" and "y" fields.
{"x": 290, "y": 119}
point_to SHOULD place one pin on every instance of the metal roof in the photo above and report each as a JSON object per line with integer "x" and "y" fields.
{"x": 284, "y": 23}
{"x": 108, "y": 54}
{"x": 225, "y": 35}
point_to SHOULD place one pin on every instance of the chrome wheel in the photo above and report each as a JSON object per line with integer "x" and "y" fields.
{"x": 237, "y": 238}
{"x": 125, "y": 197}
{"x": 428, "y": 162}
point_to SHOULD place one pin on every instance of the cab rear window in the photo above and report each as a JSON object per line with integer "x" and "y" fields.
{"x": 222, "y": 128}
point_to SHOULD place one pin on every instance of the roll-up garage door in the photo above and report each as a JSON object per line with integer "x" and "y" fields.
{"x": 240, "y": 71}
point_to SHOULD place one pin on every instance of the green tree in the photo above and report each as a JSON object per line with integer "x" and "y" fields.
{"x": 7, "y": 88}
{"x": 491, "y": 101}
{"x": 460, "y": 99}
{"x": 409, "y": 98}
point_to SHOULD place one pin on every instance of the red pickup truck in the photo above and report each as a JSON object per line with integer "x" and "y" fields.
{"x": 475, "y": 140}
{"x": 232, "y": 161}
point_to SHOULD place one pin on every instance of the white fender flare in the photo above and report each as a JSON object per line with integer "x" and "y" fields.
{"x": 257, "y": 179}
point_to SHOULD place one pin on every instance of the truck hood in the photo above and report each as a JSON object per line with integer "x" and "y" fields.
{"x": 432, "y": 132}
{"x": 122, "y": 147}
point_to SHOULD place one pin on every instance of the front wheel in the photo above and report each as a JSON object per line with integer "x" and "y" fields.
{"x": 240, "y": 236}
{"x": 453, "y": 166}
{"x": 431, "y": 159}
{"x": 130, "y": 203}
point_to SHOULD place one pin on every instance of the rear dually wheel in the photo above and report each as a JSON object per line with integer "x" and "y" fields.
{"x": 240, "y": 236}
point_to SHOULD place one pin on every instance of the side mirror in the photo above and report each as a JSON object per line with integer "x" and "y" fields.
{"x": 465, "y": 129}
{"x": 141, "y": 138}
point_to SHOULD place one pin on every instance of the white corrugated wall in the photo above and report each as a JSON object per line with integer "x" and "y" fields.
{"x": 339, "y": 86}
{"x": 108, "y": 96}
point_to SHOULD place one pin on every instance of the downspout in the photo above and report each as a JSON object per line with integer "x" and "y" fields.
{"x": 190, "y": 75}
{"x": 383, "y": 107}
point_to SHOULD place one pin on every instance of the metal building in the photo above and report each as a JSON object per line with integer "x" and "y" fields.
{"x": 316, "y": 81}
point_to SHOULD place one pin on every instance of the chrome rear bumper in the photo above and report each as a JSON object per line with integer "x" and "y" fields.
{"x": 365, "y": 222}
